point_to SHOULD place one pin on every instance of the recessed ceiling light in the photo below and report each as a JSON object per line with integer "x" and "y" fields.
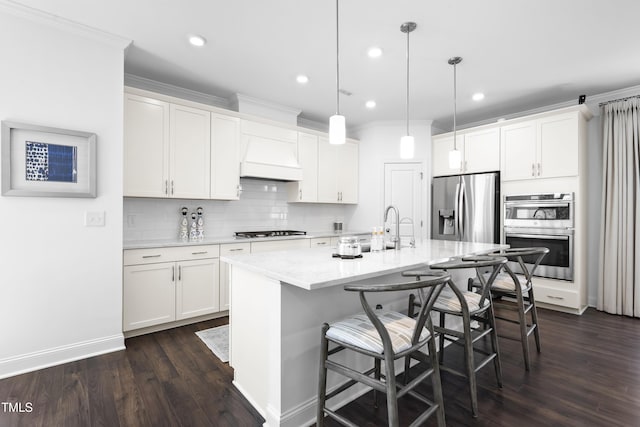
{"x": 478, "y": 96}
{"x": 374, "y": 52}
{"x": 197, "y": 40}
{"x": 302, "y": 79}
{"x": 370, "y": 104}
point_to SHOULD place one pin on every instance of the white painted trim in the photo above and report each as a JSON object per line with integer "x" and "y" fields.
{"x": 238, "y": 98}
{"x": 41, "y": 17}
{"x": 175, "y": 91}
{"x": 59, "y": 355}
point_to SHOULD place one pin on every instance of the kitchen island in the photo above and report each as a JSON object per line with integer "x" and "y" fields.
{"x": 279, "y": 301}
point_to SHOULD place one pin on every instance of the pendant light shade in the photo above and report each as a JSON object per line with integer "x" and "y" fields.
{"x": 455, "y": 156}
{"x": 337, "y": 125}
{"x": 407, "y": 142}
{"x": 336, "y": 129}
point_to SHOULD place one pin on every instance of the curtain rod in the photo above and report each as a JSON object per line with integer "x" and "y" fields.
{"x": 616, "y": 100}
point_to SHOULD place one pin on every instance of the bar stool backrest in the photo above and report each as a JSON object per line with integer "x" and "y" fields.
{"x": 518, "y": 254}
{"x": 430, "y": 285}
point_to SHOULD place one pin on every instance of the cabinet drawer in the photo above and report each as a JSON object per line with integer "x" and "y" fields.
{"x": 562, "y": 297}
{"x": 235, "y": 248}
{"x": 279, "y": 245}
{"x": 321, "y": 242}
{"x": 176, "y": 253}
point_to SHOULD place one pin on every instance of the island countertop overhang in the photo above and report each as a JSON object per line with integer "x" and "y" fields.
{"x": 315, "y": 268}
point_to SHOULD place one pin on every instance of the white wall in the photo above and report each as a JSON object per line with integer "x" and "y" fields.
{"x": 380, "y": 144}
{"x": 61, "y": 285}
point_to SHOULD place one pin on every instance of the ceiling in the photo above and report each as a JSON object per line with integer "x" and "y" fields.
{"x": 521, "y": 55}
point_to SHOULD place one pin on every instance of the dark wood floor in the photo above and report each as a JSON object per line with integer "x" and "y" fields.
{"x": 588, "y": 374}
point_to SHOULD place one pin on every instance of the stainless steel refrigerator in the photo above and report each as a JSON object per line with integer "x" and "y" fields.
{"x": 466, "y": 208}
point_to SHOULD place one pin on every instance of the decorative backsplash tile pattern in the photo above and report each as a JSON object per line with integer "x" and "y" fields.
{"x": 262, "y": 206}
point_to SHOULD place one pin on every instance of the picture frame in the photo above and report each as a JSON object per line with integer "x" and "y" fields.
{"x": 40, "y": 161}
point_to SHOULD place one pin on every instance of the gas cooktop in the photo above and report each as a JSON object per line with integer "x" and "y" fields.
{"x": 270, "y": 233}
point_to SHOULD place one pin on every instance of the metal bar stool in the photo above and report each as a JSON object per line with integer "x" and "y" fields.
{"x": 385, "y": 336}
{"x": 518, "y": 287}
{"x": 470, "y": 306}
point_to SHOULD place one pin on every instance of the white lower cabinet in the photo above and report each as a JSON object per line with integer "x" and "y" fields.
{"x": 279, "y": 245}
{"x": 163, "y": 285}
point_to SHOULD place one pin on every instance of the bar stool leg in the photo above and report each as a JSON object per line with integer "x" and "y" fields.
{"x": 436, "y": 382}
{"x": 377, "y": 377}
{"x": 392, "y": 400}
{"x": 534, "y": 319}
{"x": 469, "y": 364}
{"x": 497, "y": 365}
{"x": 524, "y": 338}
{"x": 322, "y": 381}
{"x": 407, "y": 360}
{"x": 441, "y": 341}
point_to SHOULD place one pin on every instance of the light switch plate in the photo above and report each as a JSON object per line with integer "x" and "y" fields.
{"x": 94, "y": 219}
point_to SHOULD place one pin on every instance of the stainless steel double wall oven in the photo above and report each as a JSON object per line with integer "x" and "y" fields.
{"x": 543, "y": 220}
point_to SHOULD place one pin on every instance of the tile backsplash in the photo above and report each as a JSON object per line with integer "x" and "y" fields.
{"x": 262, "y": 206}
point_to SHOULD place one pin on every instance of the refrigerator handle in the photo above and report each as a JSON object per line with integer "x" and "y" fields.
{"x": 460, "y": 200}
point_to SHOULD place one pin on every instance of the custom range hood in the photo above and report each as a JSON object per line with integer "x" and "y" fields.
{"x": 269, "y": 152}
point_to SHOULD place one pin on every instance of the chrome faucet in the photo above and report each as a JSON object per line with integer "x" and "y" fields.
{"x": 396, "y": 238}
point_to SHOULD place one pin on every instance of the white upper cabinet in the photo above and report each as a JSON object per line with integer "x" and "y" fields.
{"x": 189, "y": 152}
{"x": 166, "y": 149}
{"x": 480, "y": 151}
{"x": 337, "y": 172}
{"x": 146, "y": 146}
{"x": 307, "y": 189}
{"x": 225, "y": 157}
{"x": 543, "y": 148}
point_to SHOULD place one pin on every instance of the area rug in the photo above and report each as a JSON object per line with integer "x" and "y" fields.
{"x": 217, "y": 339}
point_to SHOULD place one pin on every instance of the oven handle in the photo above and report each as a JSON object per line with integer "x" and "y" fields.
{"x": 539, "y": 205}
{"x": 538, "y": 236}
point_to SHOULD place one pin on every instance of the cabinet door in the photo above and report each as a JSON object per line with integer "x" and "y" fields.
{"x": 149, "y": 295}
{"x": 482, "y": 151}
{"x": 197, "y": 288}
{"x": 347, "y": 172}
{"x": 441, "y": 147}
{"x": 518, "y": 151}
{"x": 146, "y": 147}
{"x": 225, "y": 157}
{"x": 190, "y": 152}
{"x": 307, "y": 189}
{"x": 229, "y": 249}
{"x": 327, "y": 171}
{"x": 558, "y": 146}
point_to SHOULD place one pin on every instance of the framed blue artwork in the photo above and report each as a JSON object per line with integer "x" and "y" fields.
{"x": 45, "y": 161}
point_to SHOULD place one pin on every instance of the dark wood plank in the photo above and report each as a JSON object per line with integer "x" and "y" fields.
{"x": 587, "y": 374}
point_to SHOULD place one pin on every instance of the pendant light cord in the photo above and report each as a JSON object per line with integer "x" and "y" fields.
{"x": 454, "y": 106}
{"x": 337, "y": 61}
{"x": 408, "y": 82}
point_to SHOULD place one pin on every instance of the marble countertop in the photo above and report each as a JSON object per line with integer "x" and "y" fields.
{"x": 315, "y": 268}
{"x": 215, "y": 240}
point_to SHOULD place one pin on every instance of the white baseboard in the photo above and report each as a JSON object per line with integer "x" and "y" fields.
{"x": 56, "y": 356}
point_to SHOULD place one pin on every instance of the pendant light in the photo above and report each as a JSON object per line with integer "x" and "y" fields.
{"x": 455, "y": 156}
{"x": 407, "y": 142}
{"x": 337, "y": 122}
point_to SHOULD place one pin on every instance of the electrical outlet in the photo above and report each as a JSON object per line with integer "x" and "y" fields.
{"x": 94, "y": 219}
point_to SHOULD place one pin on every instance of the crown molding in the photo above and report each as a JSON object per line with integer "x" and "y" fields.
{"x": 57, "y": 22}
{"x": 315, "y": 125}
{"x": 175, "y": 91}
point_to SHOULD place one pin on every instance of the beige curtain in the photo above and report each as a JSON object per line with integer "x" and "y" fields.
{"x": 619, "y": 282}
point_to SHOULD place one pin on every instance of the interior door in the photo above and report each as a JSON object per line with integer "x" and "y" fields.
{"x": 403, "y": 189}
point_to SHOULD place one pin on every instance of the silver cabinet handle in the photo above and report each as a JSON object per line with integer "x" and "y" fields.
{"x": 300, "y": 194}
{"x": 533, "y": 169}
{"x": 172, "y": 187}
{"x": 321, "y": 243}
{"x": 173, "y": 273}
{"x": 151, "y": 256}
{"x": 554, "y": 297}
{"x": 539, "y": 169}
{"x": 166, "y": 187}
{"x": 179, "y": 273}
{"x": 236, "y": 250}
{"x": 199, "y": 253}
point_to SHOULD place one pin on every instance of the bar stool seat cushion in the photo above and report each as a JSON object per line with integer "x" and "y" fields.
{"x": 504, "y": 282}
{"x": 358, "y": 331}
{"x": 449, "y": 301}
